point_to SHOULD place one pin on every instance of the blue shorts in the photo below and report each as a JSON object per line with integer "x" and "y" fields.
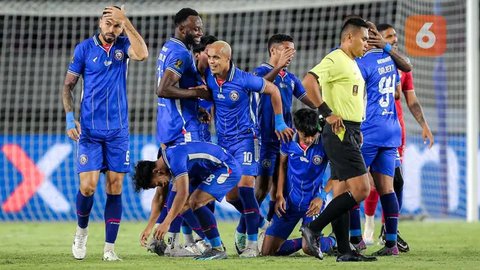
{"x": 269, "y": 154}
{"x": 380, "y": 159}
{"x": 219, "y": 182}
{"x": 104, "y": 150}
{"x": 246, "y": 153}
{"x": 283, "y": 226}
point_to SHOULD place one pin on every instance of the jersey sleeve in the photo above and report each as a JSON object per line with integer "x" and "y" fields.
{"x": 177, "y": 162}
{"x": 177, "y": 62}
{"x": 298, "y": 91}
{"x": 260, "y": 71}
{"x": 77, "y": 65}
{"x": 254, "y": 83}
{"x": 407, "y": 81}
{"x": 324, "y": 71}
{"x": 284, "y": 148}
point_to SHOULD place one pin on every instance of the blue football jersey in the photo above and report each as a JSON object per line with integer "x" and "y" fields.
{"x": 177, "y": 118}
{"x": 305, "y": 169}
{"x": 198, "y": 158}
{"x": 235, "y": 116}
{"x": 289, "y": 86}
{"x": 381, "y": 126}
{"x": 104, "y": 99}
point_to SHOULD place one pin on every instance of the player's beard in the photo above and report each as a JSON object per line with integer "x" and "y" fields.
{"x": 108, "y": 37}
{"x": 189, "y": 40}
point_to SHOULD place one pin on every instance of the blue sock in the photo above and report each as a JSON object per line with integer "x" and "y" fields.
{"x": 327, "y": 243}
{"x": 355, "y": 225}
{"x": 163, "y": 214}
{"x": 84, "y": 206}
{"x": 271, "y": 210}
{"x": 113, "y": 215}
{"x": 193, "y": 222}
{"x": 211, "y": 206}
{"x": 185, "y": 228}
{"x": 289, "y": 247}
{"x": 209, "y": 225}
{"x": 250, "y": 211}
{"x": 390, "y": 212}
{"x": 241, "y": 227}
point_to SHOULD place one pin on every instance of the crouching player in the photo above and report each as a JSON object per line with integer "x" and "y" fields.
{"x": 300, "y": 192}
{"x": 220, "y": 174}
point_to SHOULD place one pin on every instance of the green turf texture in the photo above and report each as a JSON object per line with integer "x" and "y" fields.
{"x": 433, "y": 244}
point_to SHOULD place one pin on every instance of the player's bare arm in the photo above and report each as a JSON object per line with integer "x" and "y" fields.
{"x": 283, "y": 132}
{"x": 138, "y": 49}
{"x": 73, "y": 129}
{"x": 375, "y": 39}
{"x": 178, "y": 205}
{"x": 156, "y": 207}
{"x": 280, "y": 204}
{"x": 417, "y": 112}
{"x": 168, "y": 88}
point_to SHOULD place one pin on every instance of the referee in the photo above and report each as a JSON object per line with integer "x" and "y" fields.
{"x": 341, "y": 101}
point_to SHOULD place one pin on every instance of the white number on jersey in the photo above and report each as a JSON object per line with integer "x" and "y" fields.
{"x": 386, "y": 87}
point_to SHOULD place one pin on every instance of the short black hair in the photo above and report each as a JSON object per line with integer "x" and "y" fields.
{"x": 278, "y": 38}
{"x": 306, "y": 120}
{"x": 183, "y": 14}
{"x": 353, "y": 22}
{"x": 204, "y": 41}
{"x": 142, "y": 177}
{"x": 384, "y": 26}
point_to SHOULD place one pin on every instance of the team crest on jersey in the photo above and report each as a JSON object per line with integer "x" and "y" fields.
{"x": 178, "y": 64}
{"x": 266, "y": 163}
{"x": 234, "y": 95}
{"x": 355, "y": 90}
{"x": 119, "y": 55}
{"x": 317, "y": 160}
{"x": 83, "y": 159}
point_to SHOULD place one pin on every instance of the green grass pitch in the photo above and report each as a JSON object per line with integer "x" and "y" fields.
{"x": 434, "y": 245}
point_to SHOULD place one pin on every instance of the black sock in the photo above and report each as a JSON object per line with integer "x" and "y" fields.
{"x": 340, "y": 228}
{"x": 337, "y": 207}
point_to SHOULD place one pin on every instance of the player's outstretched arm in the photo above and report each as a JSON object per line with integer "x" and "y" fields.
{"x": 178, "y": 205}
{"x": 280, "y": 204}
{"x": 156, "y": 207}
{"x": 167, "y": 88}
{"x": 138, "y": 49}
{"x": 417, "y": 112}
{"x": 283, "y": 132}
{"x": 73, "y": 127}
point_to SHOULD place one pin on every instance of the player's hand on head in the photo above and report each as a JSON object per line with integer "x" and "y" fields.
{"x": 375, "y": 39}
{"x": 314, "y": 208}
{"x": 115, "y": 14}
{"x": 280, "y": 206}
{"x": 286, "y": 57}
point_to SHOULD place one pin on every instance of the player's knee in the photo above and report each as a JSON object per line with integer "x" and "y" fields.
{"x": 360, "y": 192}
{"x": 87, "y": 188}
{"x": 194, "y": 204}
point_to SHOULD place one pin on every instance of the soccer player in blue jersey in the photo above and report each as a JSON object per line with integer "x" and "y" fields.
{"x": 102, "y": 133}
{"x": 178, "y": 82}
{"x": 216, "y": 172}
{"x": 300, "y": 193}
{"x": 237, "y": 129}
{"x": 281, "y": 49}
{"x": 381, "y": 135}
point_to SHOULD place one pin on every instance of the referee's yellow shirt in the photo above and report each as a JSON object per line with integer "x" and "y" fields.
{"x": 343, "y": 87}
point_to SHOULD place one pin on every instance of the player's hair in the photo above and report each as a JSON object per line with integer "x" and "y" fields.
{"x": 348, "y": 17}
{"x": 204, "y": 41}
{"x": 105, "y": 12}
{"x": 384, "y": 26}
{"x": 353, "y": 22}
{"x": 305, "y": 120}
{"x": 278, "y": 38}
{"x": 183, "y": 14}
{"x": 143, "y": 175}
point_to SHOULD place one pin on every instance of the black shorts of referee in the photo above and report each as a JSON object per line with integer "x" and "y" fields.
{"x": 346, "y": 160}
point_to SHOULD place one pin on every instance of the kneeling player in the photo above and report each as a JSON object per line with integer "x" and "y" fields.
{"x": 300, "y": 193}
{"x": 220, "y": 174}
